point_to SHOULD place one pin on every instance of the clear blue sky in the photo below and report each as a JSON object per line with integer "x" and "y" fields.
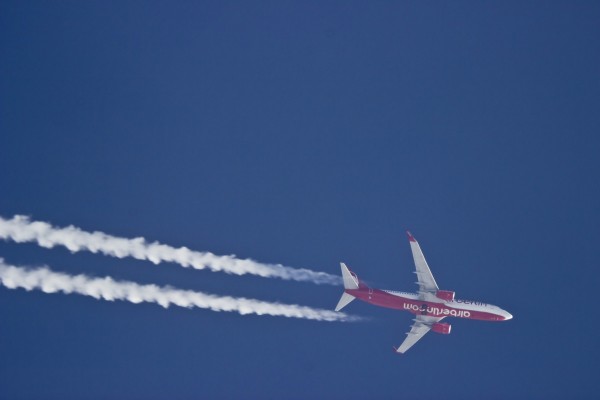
{"x": 305, "y": 133}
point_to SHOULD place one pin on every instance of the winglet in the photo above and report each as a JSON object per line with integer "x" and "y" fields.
{"x": 410, "y": 236}
{"x": 396, "y": 350}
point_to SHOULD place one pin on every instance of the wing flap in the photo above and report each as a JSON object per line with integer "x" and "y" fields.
{"x": 421, "y": 326}
{"x": 425, "y": 278}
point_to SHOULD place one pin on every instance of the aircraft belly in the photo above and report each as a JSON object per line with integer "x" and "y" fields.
{"x": 442, "y": 309}
{"x": 380, "y": 298}
{"x": 389, "y": 301}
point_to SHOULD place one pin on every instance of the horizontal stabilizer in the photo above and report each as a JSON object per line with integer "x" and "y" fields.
{"x": 350, "y": 279}
{"x": 344, "y": 300}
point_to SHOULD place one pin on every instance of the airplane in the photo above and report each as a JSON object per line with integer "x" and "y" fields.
{"x": 430, "y": 304}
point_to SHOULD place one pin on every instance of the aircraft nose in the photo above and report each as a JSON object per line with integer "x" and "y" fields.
{"x": 506, "y": 315}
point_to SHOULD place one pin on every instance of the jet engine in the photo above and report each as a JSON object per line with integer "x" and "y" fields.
{"x": 441, "y": 327}
{"x": 445, "y": 295}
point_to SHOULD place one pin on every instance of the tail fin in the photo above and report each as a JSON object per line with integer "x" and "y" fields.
{"x": 350, "y": 282}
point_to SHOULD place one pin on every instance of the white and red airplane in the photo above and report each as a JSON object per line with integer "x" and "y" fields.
{"x": 430, "y": 304}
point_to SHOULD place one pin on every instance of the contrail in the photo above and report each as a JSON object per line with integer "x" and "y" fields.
{"x": 21, "y": 229}
{"x": 48, "y": 281}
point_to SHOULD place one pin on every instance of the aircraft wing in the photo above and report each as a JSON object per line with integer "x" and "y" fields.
{"x": 425, "y": 278}
{"x": 421, "y": 326}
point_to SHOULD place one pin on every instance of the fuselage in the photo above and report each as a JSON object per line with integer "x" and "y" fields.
{"x": 433, "y": 306}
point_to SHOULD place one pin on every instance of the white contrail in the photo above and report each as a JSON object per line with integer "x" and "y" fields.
{"x": 21, "y": 229}
{"x": 48, "y": 281}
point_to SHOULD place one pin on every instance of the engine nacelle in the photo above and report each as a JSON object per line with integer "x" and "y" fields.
{"x": 445, "y": 295}
{"x": 441, "y": 327}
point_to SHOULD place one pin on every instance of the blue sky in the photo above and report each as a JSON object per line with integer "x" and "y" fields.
{"x": 305, "y": 133}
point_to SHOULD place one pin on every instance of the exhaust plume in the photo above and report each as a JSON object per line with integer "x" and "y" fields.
{"x": 21, "y": 229}
{"x": 48, "y": 281}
